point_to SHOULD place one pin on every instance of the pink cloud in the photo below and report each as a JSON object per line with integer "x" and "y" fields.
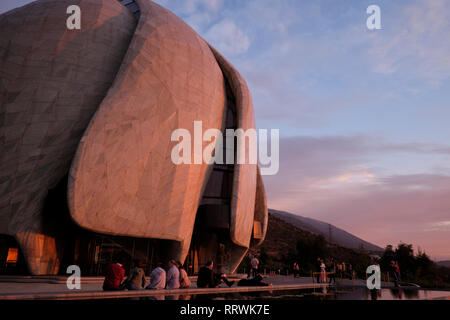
{"x": 332, "y": 179}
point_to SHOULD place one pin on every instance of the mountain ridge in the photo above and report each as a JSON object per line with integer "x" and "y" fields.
{"x": 338, "y": 235}
{"x": 444, "y": 263}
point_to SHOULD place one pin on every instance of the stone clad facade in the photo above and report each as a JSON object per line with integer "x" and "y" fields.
{"x": 52, "y": 82}
{"x": 96, "y": 107}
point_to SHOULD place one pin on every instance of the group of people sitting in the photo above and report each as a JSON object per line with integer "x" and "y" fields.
{"x": 176, "y": 277}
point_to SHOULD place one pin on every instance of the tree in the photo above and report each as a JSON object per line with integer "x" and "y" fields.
{"x": 309, "y": 249}
{"x": 425, "y": 268}
{"x": 419, "y": 268}
{"x": 265, "y": 260}
{"x": 404, "y": 254}
{"x": 387, "y": 258}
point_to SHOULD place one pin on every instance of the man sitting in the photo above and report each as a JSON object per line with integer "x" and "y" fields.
{"x": 173, "y": 276}
{"x": 157, "y": 278}
{"x": 136, "y": 278}
{"x": 207, "y": 278}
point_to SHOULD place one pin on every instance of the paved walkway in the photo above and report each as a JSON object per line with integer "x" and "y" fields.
{"x": 91, "y": 288}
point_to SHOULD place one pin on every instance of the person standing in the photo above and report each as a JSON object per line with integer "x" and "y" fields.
{"x": 296, "y": 270}
{"x": 255, "y": 265}
{"x": 318, "y": 270}
{"x": 340, "y": 270}
{"x": 396, "y": 272}
{"x": 114, "y": 276}
{"x": 220, "y": 259}
{"x": 173, "y": 276}
{"x": 157, "y": 278}
{"x": 323, "y": 272}
{"x": 332, "y": 272}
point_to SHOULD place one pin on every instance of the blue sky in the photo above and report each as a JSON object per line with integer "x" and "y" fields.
{"x": 363, "y": 115}
{"x": 319, "y": 61}
{"x": 314, "y": 69}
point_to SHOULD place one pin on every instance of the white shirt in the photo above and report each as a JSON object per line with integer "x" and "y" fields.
{"x": 255, "y": 263}
{"x": 157, "y": 279}
{"x": 173, "y": 278}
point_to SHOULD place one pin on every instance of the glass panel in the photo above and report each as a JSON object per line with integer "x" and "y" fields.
{"x": 13, "y": 255}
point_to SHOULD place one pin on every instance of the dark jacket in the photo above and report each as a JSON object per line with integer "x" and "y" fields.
{"x": 206, "y": 278}
{"x": 254, "y": 282}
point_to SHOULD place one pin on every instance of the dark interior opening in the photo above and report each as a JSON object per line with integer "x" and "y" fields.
{"x": 91, "y": 251}
{"x": 211, "y": 235}
{"x": 12, "y": 261}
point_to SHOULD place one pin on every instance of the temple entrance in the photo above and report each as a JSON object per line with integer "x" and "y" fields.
{"x": 209, "y": 244}
{"x": 91, "y": 251}
{"x": 211, "y": 236}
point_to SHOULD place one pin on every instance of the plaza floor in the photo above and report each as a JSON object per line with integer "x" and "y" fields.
{"x": 55, "y": 288}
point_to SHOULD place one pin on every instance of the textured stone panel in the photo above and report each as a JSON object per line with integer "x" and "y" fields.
{"x": 261, "y": 210}
{"x": 123, "y": 181}
{"x": 244, "y": 183}
{"x": 52, "y": 80}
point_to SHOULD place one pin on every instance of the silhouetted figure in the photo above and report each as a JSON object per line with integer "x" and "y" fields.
{"x": 332, "y": 269}
{"x": 374, "y": 294}
{"x": 296, "y": 270}
{"x": 207, "y": 279}
{"x": 220, "y": 259}
{"x": 253, "y": 282}
{"x": 318, "y": 262}
{"x": 396, "y": 273}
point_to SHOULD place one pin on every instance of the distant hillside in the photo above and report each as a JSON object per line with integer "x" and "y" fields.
{"x": 281, "y": 238}
{"x": 338, "y": 236}
{"x": 279, "y": 249}
{"x": 445, "y": 263}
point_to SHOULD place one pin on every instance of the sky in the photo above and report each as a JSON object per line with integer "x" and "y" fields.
{"x": 363, "y": 115}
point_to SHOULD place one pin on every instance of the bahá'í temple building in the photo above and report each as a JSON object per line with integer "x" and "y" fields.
{"x": 86, "y": 118}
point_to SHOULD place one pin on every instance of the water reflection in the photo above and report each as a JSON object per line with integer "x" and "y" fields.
{"x": 332, "y": 293}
